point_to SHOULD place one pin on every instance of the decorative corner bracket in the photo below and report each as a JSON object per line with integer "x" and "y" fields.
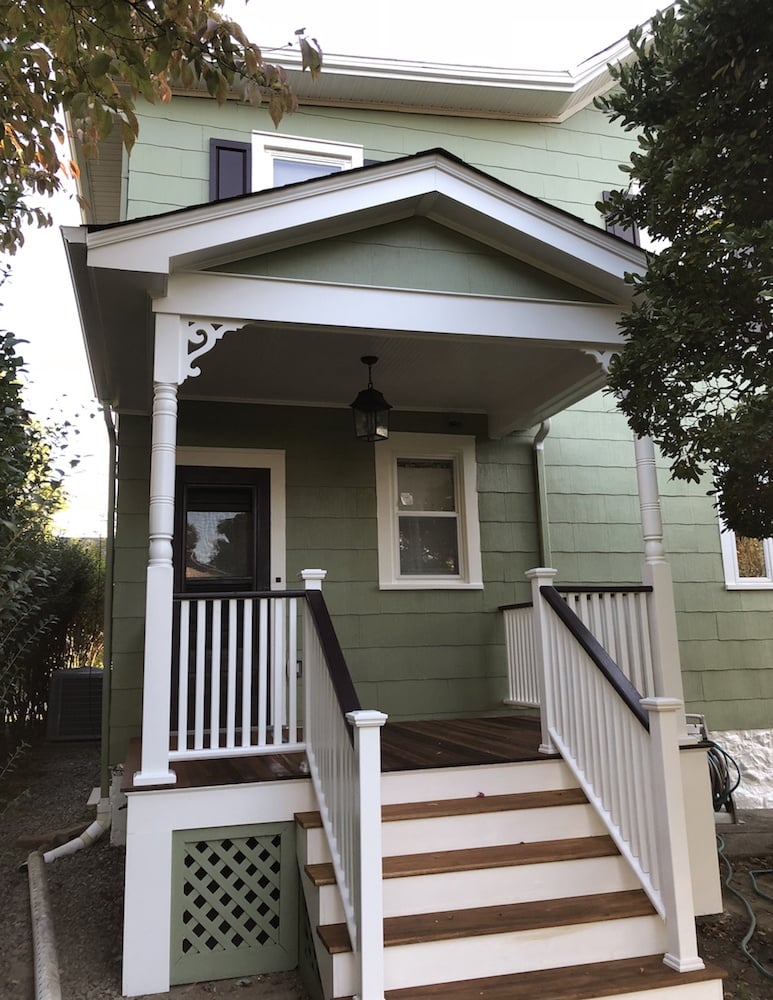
{"x": 198, "y": 338}
{"x": 602, "y": 358}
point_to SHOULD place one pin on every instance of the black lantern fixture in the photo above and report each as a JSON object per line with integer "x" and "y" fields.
{"x": 371, "y": 410}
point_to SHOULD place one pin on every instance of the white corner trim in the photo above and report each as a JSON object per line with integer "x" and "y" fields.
{"x": 253, "y": 458}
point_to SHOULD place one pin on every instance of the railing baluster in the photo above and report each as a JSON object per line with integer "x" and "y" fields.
{"x": 230, "y": 730}
{"x": 182, "y": 677}
{"x": 292, "y": 659}
{"x": 216, "y": 650}
{"x": 201, "y": 672}
{"x": 247, "y": 640}
{"x": 262, "y": 671}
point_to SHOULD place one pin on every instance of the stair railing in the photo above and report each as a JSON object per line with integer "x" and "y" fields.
{"x": 344, "y": 754}
{"x": 624, "y": 751}
{"x": 619, "y": 618}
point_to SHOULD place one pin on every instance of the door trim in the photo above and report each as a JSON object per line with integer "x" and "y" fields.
{"x": 253, "y": 458}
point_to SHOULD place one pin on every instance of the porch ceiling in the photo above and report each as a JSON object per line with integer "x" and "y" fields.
{"x": 515, "y": 384}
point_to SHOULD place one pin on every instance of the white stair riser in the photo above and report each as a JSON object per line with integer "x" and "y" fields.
{"x": 451, "y": 833}
{"x": 493, "y": 886}
{"x": 520, "y": 951}
{"x": 324, "y": 901}
{"x": 312, "y": 847}
{"x": 461, "y": 782}
{"x": 710, "y": 990}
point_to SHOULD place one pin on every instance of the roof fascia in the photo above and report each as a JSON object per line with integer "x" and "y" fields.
{"x": 324, "y": 207}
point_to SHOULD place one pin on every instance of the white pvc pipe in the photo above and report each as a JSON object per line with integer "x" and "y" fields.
{"x": 92, "y": 833}
{"x": 47, "y": 985}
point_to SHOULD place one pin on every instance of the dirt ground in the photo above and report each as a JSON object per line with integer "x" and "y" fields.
{"x": 48, "y": 791}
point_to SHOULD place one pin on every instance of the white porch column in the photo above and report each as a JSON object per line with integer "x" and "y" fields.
{"x": 157, "y": 677}
{"x": 158, "y": 607}
{"x": 543, "y": 651}
{"x": 656, "y": 573}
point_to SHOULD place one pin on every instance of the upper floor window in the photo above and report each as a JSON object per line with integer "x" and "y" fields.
{"x": 287, "y": 159}
{"x": 427, "y": 505}
{"x": 748, "y": 562}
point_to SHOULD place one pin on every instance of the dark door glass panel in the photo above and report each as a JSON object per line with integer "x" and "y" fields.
{"x": 223, "y": 516}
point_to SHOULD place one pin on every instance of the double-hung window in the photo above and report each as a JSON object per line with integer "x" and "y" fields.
{"x": 428, "y": 529}
{"x": 285, "y": 159}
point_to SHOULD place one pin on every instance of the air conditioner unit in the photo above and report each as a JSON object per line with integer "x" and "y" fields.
{"x": 75, "y": 704}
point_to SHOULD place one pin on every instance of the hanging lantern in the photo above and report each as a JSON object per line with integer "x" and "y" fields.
{"x": 370, "y": 409}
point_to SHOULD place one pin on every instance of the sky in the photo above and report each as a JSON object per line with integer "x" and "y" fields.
{"x": 36, "y": 302}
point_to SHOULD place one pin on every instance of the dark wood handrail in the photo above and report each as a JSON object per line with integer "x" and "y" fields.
{"x": 516, "y": 607}
{"x": 340, "y": 677}
{"x": 224, "y": 595}
{"x": 598, "y": 654}
{"x": 635, "y": 588}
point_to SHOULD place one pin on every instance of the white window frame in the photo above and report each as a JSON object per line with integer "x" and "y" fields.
{"x": 270, "y": 146}
{"x": 733, "y": 580}
{"x": 460, "y": 449}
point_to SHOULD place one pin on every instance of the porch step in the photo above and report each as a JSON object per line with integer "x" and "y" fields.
{"x": 505, "y": 939}
{"x": 443, "y": 880}
{"x": 633, "y": 977}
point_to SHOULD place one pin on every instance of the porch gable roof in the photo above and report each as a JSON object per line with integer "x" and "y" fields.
{"x": 118, "y": 270}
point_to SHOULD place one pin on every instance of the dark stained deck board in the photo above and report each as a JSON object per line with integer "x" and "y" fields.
{"x": 428, "y": 743}
{"x": 509, "y": 918}
{"x": 575, "y": 982}
{"x": 479, "y": 858}
{"x": 405, "y": 746}
{"x": 482, "y": 804}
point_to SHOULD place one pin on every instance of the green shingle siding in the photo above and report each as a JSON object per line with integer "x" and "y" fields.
{"x": 568, "y": 164}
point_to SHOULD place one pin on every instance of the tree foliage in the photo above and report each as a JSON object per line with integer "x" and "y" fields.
{"x": 697, "y": 366}
{"x": 93, "y": 58}
{"x": 51, "y": 589}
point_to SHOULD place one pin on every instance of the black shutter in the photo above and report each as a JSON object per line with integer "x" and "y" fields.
{"x": 628, "y": 233}
{"x": 230, "y": 168}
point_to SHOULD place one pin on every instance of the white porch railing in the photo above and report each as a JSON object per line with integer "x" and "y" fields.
{"x": 619, "y": 618}
{"x": 234, "y": 675}
{"x": 624, "y": 752}
{"x": 522, "y": 666}
{"x": 343, "y": 750}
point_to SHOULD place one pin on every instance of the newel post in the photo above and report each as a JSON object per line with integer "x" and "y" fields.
{"x": 312, "y": 578}
{"x": 673, "y": 852}
{"x": 543, "y": 577}
{"x": 370, "y": 906}
{"x": 656, "y": 573}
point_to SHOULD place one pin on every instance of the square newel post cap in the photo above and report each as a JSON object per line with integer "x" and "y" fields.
{"x": 313, "y": 578}
{"x": 541, "y": 572}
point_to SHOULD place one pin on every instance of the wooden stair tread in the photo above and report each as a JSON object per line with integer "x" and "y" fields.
{"x": 471, "y": 805}
{"x": 482, "y": 920}
{"x": 480, "y": 858}
{"x": 575, "y": 982}
{"x": 478, "y": 804}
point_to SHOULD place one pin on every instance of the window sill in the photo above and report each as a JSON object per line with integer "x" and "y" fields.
{"x": 751, "y": 585}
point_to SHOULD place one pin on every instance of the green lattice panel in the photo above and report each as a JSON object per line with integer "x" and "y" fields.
{"x": 234, "y": 902}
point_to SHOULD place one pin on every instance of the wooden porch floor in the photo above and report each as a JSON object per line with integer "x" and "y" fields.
{"x": 405, "y": 746}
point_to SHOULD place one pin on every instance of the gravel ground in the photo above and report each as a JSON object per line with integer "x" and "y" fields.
{"x": 48, "y": 792}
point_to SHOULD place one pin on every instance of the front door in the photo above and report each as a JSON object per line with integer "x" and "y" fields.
{"x": 222, "y": 555}
{"x": 223, "y": 530}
